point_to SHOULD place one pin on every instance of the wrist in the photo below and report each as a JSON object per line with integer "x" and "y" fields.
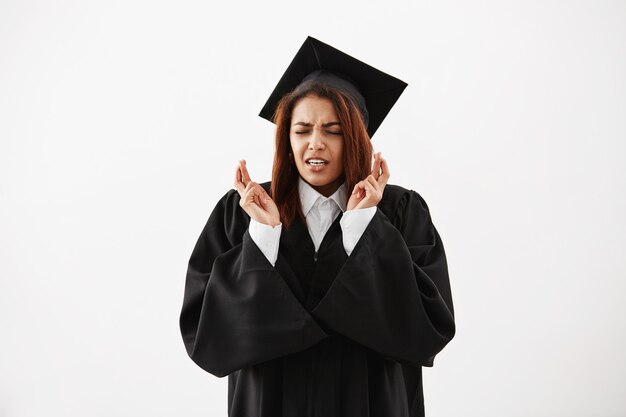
{"x": 363, "y": 207}
{"x": 271, "y": 223}
{"x": 265, "y": 223}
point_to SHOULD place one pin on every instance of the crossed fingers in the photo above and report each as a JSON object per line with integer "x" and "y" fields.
{"x": 249, "y": 191}
{"x": 242, "y": 178}
{"x": 369, "y": 191}
{"x": 380, "y": 170}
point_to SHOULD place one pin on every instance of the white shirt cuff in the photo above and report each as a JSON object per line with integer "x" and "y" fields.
{"x": 267, "y": 238}
{"x": 353, "y": 224}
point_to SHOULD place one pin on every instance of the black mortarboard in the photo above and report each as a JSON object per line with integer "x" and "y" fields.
{"x": 373, "y": 90}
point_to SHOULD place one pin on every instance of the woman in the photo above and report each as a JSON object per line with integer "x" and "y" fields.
{"x": 324, "y": 292}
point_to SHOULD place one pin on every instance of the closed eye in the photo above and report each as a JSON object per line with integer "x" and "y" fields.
{"x": 308, "y": 131}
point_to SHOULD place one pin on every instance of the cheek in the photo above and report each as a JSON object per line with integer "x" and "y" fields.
{"x": 296, "y": 152}
{"x": 294, "y": 146}
{"x": 339, "y": 150}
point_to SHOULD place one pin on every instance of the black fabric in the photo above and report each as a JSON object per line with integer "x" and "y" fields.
{"x": 376, "y": 92}
{"x": 337, "y": 337}
{"x": 340, "y": 81}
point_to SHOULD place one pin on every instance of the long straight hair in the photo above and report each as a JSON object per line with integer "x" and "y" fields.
{"x": 357, "y": 154}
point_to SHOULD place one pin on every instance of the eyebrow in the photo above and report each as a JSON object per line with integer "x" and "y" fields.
{"x": 323, "y": 125}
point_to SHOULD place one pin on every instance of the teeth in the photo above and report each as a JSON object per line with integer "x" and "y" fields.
{"x": 316, "y": 162}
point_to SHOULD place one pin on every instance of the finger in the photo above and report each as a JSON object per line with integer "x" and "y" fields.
{"x": 384, "y": 177}
{"x": 376, "y": 165}
{"x": 260, "y": 193}
{"x": 361, "y": 191}
{"x": 248, "y": 193}
{"x": 374, "y": 190}
{"x": 251, "y": 185}
{"x": 266, "y": 196}
{"x": 371, "y": 190}
{"x": 244, "y": 172}
{"x": 257, "y": 191}
{"x": 239, "y": 186}
{"x": 358, "y": 186}
{"x": 372, "y": 181}
{"x": 262, "y": 202}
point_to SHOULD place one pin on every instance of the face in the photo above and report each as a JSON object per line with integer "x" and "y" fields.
{"x": 317, "y": 143}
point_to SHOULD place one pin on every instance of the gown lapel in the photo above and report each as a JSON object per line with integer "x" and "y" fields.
{"x": 309, "y": 276}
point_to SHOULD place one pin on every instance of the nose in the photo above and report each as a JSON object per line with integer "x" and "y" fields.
{"x": 316, "y": 141}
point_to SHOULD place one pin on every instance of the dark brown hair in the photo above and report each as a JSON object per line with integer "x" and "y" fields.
{"x": 357, "y": 154}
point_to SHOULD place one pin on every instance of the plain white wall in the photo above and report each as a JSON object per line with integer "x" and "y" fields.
{"x": 120, "y": 126}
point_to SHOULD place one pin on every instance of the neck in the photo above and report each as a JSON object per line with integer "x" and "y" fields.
{"x": 328, "y": 189}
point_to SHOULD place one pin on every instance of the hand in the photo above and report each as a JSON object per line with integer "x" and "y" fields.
{"x": 254, "y": 199}
{"x": 369, "y": 192}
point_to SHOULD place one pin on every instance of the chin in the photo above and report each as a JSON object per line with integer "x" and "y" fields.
{"x": 320, "y": 179}
{"x": 316, "y": 181}
{"x": 322, "y": 182}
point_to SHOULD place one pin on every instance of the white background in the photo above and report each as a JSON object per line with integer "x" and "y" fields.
{"x": 120, "y": 126}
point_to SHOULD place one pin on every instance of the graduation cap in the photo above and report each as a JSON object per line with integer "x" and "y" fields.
{"x": 374, "y": 91}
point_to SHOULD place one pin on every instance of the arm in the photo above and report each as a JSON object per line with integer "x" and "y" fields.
{"x": 237, "y": 310}
{"x": 267, "y": 238}
{"x": 353, "y": 224}
{"x": 393, "y": 294}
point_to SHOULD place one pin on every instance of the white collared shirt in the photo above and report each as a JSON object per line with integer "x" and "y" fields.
{"x": 320, "y": 213}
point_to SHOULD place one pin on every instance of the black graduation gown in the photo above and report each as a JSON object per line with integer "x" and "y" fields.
{"x": 320, "y": 335}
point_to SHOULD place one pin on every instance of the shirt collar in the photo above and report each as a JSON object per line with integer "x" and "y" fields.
{"x": 308, "y": 196}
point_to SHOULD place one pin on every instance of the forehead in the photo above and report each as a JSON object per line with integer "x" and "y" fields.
{"x": 314, "y": 108}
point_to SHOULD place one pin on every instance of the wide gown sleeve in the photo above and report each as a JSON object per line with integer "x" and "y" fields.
{"x": 237, "y": 310}
{"x": 393, "y": 293}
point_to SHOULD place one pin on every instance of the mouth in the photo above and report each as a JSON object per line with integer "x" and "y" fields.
{"x": 316, "y": 162}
